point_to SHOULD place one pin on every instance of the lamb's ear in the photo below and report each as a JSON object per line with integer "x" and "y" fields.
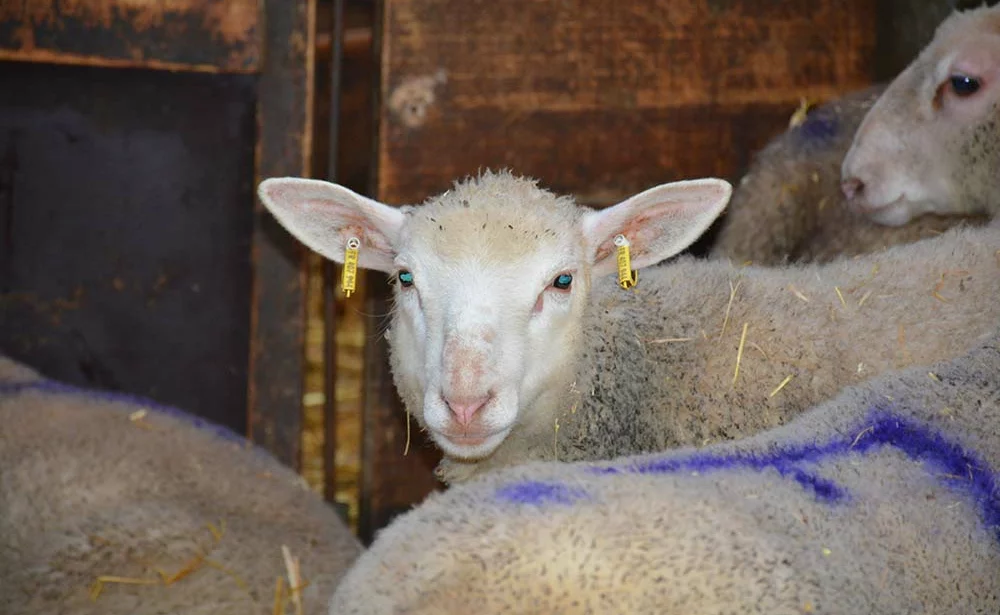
{"x": 324, "y": 216}
{"x": 658, "y": 223}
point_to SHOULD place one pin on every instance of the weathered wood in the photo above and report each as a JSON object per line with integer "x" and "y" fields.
{"x": 602, "y": 99}
{"x": 284, "y": 117}
{"x": 198, "y": 35}
{"x": 125, "y": 231}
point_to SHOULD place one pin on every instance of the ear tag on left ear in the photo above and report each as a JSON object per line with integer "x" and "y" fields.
{"x": 350, "y": 274}
{"x": 627, "y": 278}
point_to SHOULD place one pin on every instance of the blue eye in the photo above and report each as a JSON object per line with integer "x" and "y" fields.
{"x": 962, "y": 85}
{"x": 405, "y": 278}
{"x": 562, "y": 281}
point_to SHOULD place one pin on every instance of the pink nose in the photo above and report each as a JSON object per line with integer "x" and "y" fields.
{"x": 852, "y": 186}
{"x": 464, "y": 409}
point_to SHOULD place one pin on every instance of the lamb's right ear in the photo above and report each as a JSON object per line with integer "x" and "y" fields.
{"x": 324, "y": 216}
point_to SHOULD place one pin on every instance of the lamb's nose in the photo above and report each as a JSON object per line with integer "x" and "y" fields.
{"x": 464, "y": 409}
{"x": 852, "y": 187}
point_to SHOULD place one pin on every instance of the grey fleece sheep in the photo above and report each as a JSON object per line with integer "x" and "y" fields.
{"x": 504, "y": 354}
{"x": 882, "y": 501}
{"x": 789, "y": 206}
{"x": 112, "y": 505}
{"x": 919, "y": 156}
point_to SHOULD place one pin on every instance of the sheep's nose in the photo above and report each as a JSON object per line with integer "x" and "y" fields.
{"x": 852, "y": 187}
{"x": 464, "y": 408}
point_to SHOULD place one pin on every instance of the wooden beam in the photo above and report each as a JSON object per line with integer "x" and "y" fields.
{"x": 284, "y": 118}
{"x": 182, "y": 35}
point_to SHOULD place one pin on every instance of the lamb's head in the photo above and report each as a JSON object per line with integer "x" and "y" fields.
{"x": 931, "y": 143}
{"x": 491, "y": 282}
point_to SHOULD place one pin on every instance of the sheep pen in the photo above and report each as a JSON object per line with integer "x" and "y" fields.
{"x": 883, "y": 500}
{"x": 501, "y": 350}
{"x": 115, "y": 505}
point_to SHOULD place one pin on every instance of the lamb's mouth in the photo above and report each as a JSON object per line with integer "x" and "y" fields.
{"x": 472, "y": 444}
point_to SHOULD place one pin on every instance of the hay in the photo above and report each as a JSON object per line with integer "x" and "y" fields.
{"x": 783, "y": 384}
{"x": 729, "y": 306}
{"x": 739, "y": 353}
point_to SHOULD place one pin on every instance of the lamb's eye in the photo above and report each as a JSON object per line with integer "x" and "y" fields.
{"x": 405, "y": 278}
{"x": 963, "y": 85}
{"x": 562, "y": 281}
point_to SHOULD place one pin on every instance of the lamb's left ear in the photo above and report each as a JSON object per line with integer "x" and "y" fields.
{"x": 658, "y": 223}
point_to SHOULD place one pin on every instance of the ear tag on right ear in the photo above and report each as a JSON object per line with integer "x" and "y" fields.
{"x": 349, "y": 277}
{"x": 627, "y": 278}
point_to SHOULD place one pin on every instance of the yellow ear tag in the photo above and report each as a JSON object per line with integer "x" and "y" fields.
{"x": 627, "y": 278}
{"x": 350, "y": 274}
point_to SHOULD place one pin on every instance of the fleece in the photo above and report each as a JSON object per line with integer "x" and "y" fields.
{"x": 98, "y": 485}
{"x": 883, "y": 500}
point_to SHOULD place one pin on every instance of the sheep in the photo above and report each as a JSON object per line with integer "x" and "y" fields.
{"x": 789, "y": 206}
{"x": 885, "y": 499}
{"x": 500, "y": 350}
{"x": 115, "y": 505}
{"x": 931, "y": 143}
{"x": 882, "y": 166}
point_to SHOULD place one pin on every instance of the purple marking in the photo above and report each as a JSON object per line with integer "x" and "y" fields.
{"x": 951, "y": 464}
{"x": 819, "y": 127}
{"x": 537, "y": 492}
{"x": 60, "y": 388}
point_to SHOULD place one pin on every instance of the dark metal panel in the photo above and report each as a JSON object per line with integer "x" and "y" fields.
{"x": 201, "y": 35}
{"x": 124, "y": 252}
{"x": 284, "y": 148}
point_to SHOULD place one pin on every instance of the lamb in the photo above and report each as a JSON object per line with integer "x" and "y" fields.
{"x": 114, "y": 505}
{"x": 882, "y": 500}
{"x": 789, "y": 207}
{"x": 919, "y": 155}
{"x": 502, "y": 352}
{"x": 931, "y": 143}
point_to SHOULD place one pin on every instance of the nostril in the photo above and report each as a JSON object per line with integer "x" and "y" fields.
{"x": 465, "y": 408}
{"x": 852, "y": 187}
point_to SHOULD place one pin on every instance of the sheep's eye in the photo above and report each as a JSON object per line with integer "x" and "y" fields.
{"x": 963, "y": 85}
{"x": 405, "y": 278}
{"x": 562, "y": 281}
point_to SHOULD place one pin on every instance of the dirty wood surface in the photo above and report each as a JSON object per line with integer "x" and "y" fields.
{"x": 602, "y": 99}
{"x": 200, "y": 35}
{"x": 277, "y": 337}
{"x": 123, "y": 263}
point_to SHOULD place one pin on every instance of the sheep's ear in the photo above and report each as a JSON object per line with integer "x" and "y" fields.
{"x": 658, "y": 223}
{"x": 324, "y": 216}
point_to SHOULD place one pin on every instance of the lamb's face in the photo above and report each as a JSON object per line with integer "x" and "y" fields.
{"x": 489, "y": 300}
{"x": 492, "y": 279}
{"x": 929, "y": 145}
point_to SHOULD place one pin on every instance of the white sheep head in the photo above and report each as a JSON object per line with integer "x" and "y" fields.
{"x": 930, "y": 143}
{"x": 491, "y": 281}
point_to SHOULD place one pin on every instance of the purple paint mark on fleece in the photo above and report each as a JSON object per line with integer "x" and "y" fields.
{"x": 60, "y": 388}
{"x": 954, "y": 466}
{"x": 537, "y": 492}
{"x": 819, "y": 126}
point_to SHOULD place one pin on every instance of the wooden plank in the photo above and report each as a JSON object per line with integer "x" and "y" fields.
{"x": 198, "y": 35}
{"x": 284, "y": 119}
{"x": 602, "y": 99}
{"x": 125, "y": 231}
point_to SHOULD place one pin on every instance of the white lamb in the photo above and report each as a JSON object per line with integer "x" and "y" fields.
{"x": 931, "y": 143}
{"x": 114, "y": 505}
{"x": 883, "y": 501}
{"x": 921, "y": 155}
{"x": 502, "y": 352}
